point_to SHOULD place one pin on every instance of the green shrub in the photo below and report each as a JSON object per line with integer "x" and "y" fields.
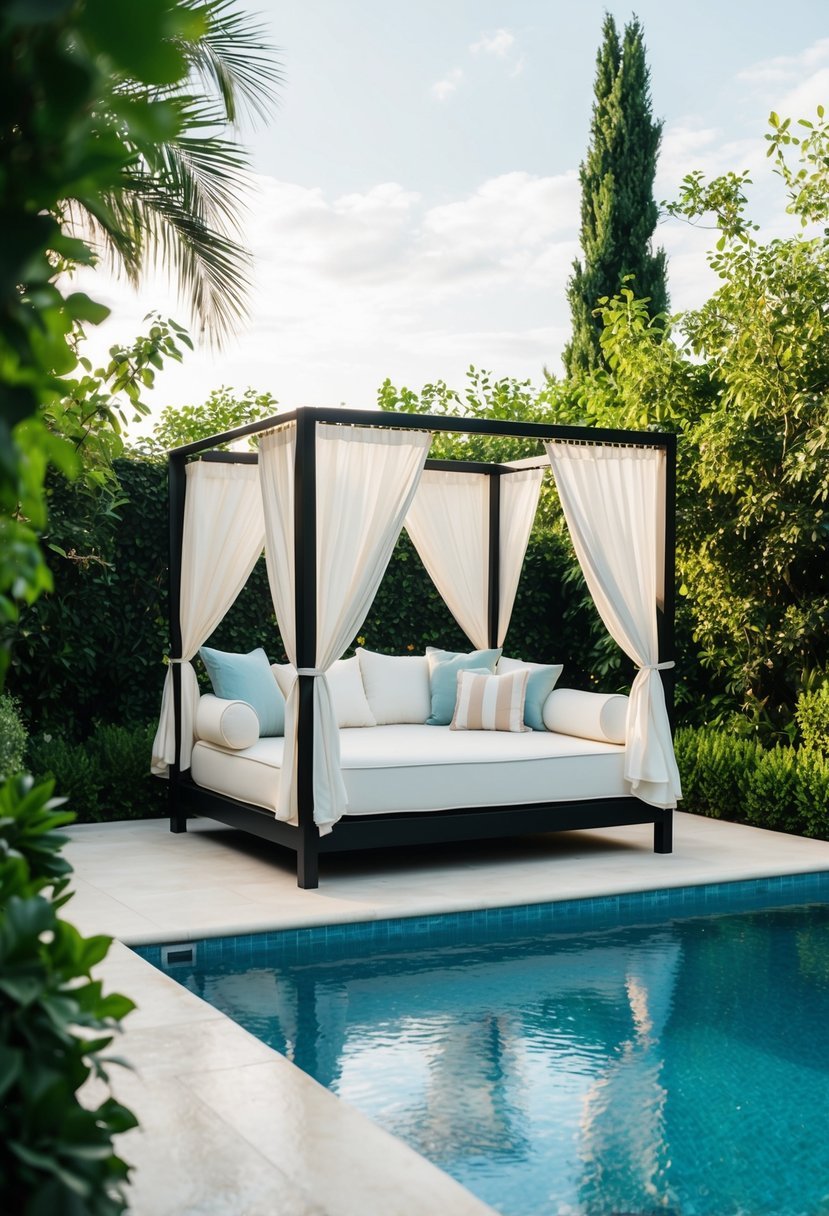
{"x": 106, "y": 777}
{"x": 812, "y": 713}
{"x": 770, "y": 793}
{"x": 12, "y": 738}
{"x": 715, "y": 768}
{"x": 122, "y": 755}
{"x": 727, "y": 776}
{"x": 812, "y": 793}
{"x": 72, "y": 769}
{"x": 56, "y": 1156}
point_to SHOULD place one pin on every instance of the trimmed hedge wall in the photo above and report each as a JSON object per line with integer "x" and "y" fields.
{"x": 725, "y": 776}
{"x": 92, "y": 651}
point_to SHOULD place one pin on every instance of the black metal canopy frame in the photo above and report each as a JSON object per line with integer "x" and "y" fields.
{"x": 397, "y": 827}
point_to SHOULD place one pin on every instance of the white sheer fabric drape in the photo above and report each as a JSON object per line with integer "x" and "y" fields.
{"x": 224, "y": 533}
{"x": 365, "y": 480}
{"x": 611, "y": 499}
{"x": 519, "y": 503}
{"x": 448, "y": 522}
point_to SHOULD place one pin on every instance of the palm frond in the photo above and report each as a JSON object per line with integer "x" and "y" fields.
{"x": 211, "y": 268}
{"x": 198, "y": 165}
{"x": 234, "y": 56}
{"x": 180, "y": 201}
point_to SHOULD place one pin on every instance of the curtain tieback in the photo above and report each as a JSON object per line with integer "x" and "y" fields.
{"x": 657, "y": 666}
{"x": 170, "y": 660}
{"x": 310, "y": 671}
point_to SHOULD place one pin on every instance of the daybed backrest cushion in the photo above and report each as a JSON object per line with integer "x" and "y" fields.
{"x": 486, "y": 702}
{"x": 589, "y": 715}
{"x": 247, "y": 677}
{"x": 542, "y": 680}
{"x": 231, "y": 724}
{"x": 396, "y": 687}
{"x": 444, "y": 666}
{"x": 347, "y": 692}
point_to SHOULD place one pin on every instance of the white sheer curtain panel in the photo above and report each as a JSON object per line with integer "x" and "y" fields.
{"x": 365, "y": 477}
{"x": 519, "y": 502}
{"x": 611, "y": 498}
{"x": 224, "y": 533}
{"x": 448, "y": 522}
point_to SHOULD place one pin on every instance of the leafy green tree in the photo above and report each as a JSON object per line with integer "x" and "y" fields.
{"x": 222, "y": 411}
{"x": 107, "y": 132}
{"x": 618, "y": 211}
{"x": 745, "y": 379}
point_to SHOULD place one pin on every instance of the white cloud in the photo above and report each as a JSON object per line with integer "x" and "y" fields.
{"x": 352, "y": 288}
{"x": 506, "y": 228}
{"x": 498, "y": 43}
{"x": 802, "y": 99}
{"x": 443, "y": 89}
{"x": 787, "y": 68}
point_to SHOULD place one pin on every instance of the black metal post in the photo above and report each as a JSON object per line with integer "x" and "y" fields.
{"x": 666, "y": 618}
{"x": 305, "y": 575}
{"x": 177, "y": 488}
{"x": 494, "y": 575}
{"x": 663, "y": 831}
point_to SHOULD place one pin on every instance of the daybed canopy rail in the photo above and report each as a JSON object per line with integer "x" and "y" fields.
{"x": 435, "y": 423}
{"x": 378, "y": 829}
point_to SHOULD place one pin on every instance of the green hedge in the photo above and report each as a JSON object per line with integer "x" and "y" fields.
{"x": 12, "y": 738}
{"x": 92, "y": 651}
{"x": 104, "y": 777}
{"x": 725, "y": 776}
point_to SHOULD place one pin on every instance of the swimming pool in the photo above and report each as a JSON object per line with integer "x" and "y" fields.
{"x": 665, "y": 1052}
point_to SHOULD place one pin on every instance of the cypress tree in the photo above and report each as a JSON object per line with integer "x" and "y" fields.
{"x": 618, "y": 211}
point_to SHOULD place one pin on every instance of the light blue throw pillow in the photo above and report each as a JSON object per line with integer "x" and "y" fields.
{"x": 248, "y": 677}
{"x": 444, "y": 666}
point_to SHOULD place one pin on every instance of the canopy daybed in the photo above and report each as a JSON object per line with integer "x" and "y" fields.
{"x": 327, "y": 495}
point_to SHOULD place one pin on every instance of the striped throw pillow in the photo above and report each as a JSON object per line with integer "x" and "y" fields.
{"x": 487, "y": 702}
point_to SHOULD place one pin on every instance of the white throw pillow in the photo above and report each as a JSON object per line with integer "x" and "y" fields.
{"x": 284, "y": 674}
{"x": 347, "y": 692}
{"x": 397, "y": 687}
{"x": 588, "y": 715}
{"x": 231, "y": 724}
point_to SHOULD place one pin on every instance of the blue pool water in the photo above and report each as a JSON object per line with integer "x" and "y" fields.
{"x": 666, "y": 1052}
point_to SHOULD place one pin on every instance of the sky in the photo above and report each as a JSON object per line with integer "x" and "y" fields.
{"x": 415, "y": 194}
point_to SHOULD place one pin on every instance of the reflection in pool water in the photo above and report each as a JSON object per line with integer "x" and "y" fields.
{"x": 680, "y": 1067}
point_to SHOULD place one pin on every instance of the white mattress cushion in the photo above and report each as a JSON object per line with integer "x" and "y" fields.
{"x": 429, "y": 768}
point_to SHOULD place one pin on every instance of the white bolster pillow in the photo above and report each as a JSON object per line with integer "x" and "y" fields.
{"x": 232, "y": 724}
{"x": 589, "y": 715}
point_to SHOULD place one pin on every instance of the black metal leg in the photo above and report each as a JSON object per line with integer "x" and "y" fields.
{"x": 663, "y": 836}
{"x": 178, "y": 816}
{"x": 307, "y": 863}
